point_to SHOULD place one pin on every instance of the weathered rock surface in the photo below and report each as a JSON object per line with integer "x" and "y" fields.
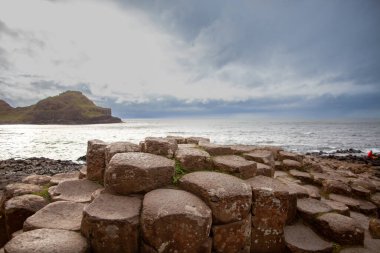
{"x": 120, "y": 147}
{"x": 374, "y": 228}
{"x": 235, "y": 165}
{"x": 232, "y": 237}
{"x": 57, "y": 215}
{"x": 335, "y": 186}
{"x": 264, "y": 170}
{"x": 160, "y": 146}
{"x": 61, "y": 177}
{"x": 355, "y": 204}
{"x": 216, "y": 149}
{"x": 290, "y": 165}
{"x": 193, "y": 159}
{"x": 313, "y": 191}
{"x": 79, "y": 190}
{"x": 337, "y": 207}
{"x": 309, "y": 208}
{"x": 137, "y": 172}
{"x": 196, "y": 140}
{"x": 47, "y": 241}
{"x": 269, "y": 215}
{"x": 340, "y": 228}
{"x": 96, "y": 160}
{"x": 284, "y": 155}
{"x": 83, "y": 172}
{"x": 261, "y": 156}
{"x": 175, "y": 221}
{"x": 111, "y": 223}
{"x": 37, "y": 179}
{"x": 228, "y": 197}
{"x": 19, "y": 208}
{"x": 302, "y": 239}
{"x": 18, "y": 189}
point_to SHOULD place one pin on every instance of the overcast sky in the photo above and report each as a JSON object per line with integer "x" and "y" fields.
{"x": 314, "y": 59}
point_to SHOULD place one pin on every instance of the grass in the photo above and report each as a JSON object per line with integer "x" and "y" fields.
{"x": 178, "y": 172}
{"x": 44, "y": 192}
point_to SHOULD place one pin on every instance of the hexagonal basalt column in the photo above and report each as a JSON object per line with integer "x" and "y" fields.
{"x": 138, "y": 172}
{"x": 228, "y": 197}
{"x": 235, "y": 165}
{"x": 78, "y": 190}
{"x": 193, "y": 159}
{"x": 175, "y": 221}
{"x": 111, "y": 223}
{"x": 160, "y": 146}
{"x": 120, "y": 147}
{"x": 96, "y": 161}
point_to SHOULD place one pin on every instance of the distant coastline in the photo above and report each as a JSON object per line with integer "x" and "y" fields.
{"x": 68, "y": 108}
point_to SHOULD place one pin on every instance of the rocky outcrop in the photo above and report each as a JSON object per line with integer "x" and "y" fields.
{"x": 146, "y": 202}
{"x": 70, "y": 107}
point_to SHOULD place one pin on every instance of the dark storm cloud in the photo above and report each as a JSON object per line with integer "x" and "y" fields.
{"x": 335, "y": 38}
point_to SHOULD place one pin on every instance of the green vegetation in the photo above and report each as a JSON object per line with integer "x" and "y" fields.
{"x": 336, "y": 248}
{"x": 178, "y": 172}
{"x": 70, "y": 107}
{"x": 44, "y": 192}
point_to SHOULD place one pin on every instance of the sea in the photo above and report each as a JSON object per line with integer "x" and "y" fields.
{"x": 69, "y": 142}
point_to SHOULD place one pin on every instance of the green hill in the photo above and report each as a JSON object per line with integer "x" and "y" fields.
{"x": 70, "y": 107}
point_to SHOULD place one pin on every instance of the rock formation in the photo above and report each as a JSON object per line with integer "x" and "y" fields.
{"x": 70, "y": 107}
{"x": 179, "y": 194}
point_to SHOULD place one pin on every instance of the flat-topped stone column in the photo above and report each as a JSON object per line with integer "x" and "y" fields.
{"x": 193, "y": 159}
{"x": 96, "y": 160}
{"x": 138, "y": 173}
{"x": 175, "y": 221}
{"x": 111, "y": 223}
{"x": 78, "y": 190}
{"x": 120, "y": 147}
{"x": 235, "y": 165}
{"x": 160, "y": 146}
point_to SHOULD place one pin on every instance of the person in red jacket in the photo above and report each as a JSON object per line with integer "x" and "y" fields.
{"x": 370, "y": 155}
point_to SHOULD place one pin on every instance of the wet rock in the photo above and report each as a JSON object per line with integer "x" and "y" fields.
{"x": 18, "y": 209}
{"x": 111, "y": 223}
{"x": 335, "y": 186}
{"x": 235, "y": 165}
{"x": 290, "y": 165}
{"x": 138, "y": 172}
{"x": 264, "y": 170}
{"x": 337, "y": 207}
{"x": 57, "y": 215}
{"x": 18, "y": 189}
{"x": 120, "y": 147}
{"x": 193, "y": 159}
{"x": 196, "y": 140}
{"x": 284, "y": 155}
{"x": 262, "y": 182}
{"x": 232, "y": 237}
{"x": 61, "y": 177}
{"x": 79, "y": 190}
{"x": 228, "y": 197}
{"x": 96, "y": 161}
{"x": 340, "y": 228}
{"x": 261, "y": 156}
{"x": 301, "y": 239}
{"x": 269, "y": 214}
{"x": 47, "y": 241}
{"x": 305, "y": 177}
{"x": 160, "y": 146}
{"x": 309, "y": 209}
{"x": 175, "y": 221}
{"x": 37, "y": 179}
{"x": 313, "y": 191}
{"x": 374, "y": 228}
{"x": 216, "y": 149}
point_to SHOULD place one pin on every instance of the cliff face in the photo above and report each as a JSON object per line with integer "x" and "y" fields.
{"x": 70, "y": 107}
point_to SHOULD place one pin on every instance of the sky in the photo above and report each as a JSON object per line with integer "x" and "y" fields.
{"x": 290, "y": 58}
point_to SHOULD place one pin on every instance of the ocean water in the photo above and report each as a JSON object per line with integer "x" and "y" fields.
{"x": 68, "y": 142}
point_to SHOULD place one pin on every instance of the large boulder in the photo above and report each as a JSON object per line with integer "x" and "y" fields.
{"x": 37, "y": 179}
{"x": 235, "y": 165}
{"x": 228, "y": 197}
{"x": 302, "y": 239}
{"x": 269, "y": 215}
{"x": 175, "y": 221}
{"x": 120, "y": 147}
{"x": 47, "y": 241}
{"x": 160, "y": 146}
{"x": 96, "y": 160}
{"x": 340, "y": 228}
{"x": 57, "y": 215}
{"x": 193, "y": 159}
{"x": 216, "y": 149}
{"x": 232, "y": 237}
{"x": 137, "y": 172}
{"x": 261, "y": 156}
{"x": 111, "y": 223}
{"x": 19, "y": 208}
{"x": 79, "y": 190}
